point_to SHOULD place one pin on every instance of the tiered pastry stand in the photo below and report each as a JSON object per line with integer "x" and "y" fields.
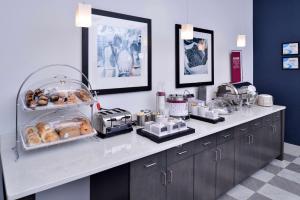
{"x": 21, "y": 107}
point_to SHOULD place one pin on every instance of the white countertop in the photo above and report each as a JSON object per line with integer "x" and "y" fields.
{"x": 47, "y": 168}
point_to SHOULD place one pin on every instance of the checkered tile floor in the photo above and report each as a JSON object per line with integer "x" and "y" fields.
{"x": 280, "y": 180}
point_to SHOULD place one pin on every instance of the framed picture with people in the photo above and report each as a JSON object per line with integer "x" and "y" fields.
{"x": 116, "y": 52}
{"x": 194, "y": 58}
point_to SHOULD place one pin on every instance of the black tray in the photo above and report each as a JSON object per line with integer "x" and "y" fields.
{"x": 157, "y": 139}
{"x": 212, "y": 121}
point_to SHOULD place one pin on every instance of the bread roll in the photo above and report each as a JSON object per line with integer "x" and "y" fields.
{"x": 32, "y": 136}
{"x": 85, "y": 127}
{"x": 50, "y": 137}
{"x": 43, "y": 127}
{"x": 69, "y": 132}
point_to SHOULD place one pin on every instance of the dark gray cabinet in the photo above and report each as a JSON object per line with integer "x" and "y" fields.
{"x": 225, "y": 168}
{"x": 245, "y": 158}
{"x": 209, "y": 167}
{"x": 148, "y": 178}
{"x": 214, "y": 167}
{"x": 180, "y": 178}
{"x": 276, "y": 136}
{"x": 257, "y": 143}
{"x": 167, "y": 175}
{"x": 205, "y": 164}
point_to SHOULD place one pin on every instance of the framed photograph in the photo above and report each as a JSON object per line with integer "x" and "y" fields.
{"x": 290, "y": 63}
{"x": 116, "y": 53}
{"x": 291, "y": 48}
{"x": 194, "y": 58}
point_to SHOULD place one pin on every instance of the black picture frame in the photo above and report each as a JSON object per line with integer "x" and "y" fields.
{"x": 289, "y": 54}
{"x": 177, "y": 58}
{"x": 282, "y": 59}
{"x": 85, "y": 52}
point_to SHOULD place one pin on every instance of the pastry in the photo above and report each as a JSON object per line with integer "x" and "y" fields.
{"x": 30, "y": 130}
{"x": 43, "y": 97}
{"x": 33, "y": 139}
{"x": 54, "y": 98}
{"x": 43, "y": 127}
{"x": 29, "y": 98}
{"x": 32, "y": 136}
{"x": 42, "y": 102}
{"x": 50, "y": 136}
{"x": 29, "y": 95}
{"x": 38, "y": 92}
{"x": 83, "y": 95}
{"x": 69, "y": 132}
{"x": 85, "y": 127}
{"x": 31, "y": 104}
{"x": 71, "y": 99}
{"x": 59, "y": 101}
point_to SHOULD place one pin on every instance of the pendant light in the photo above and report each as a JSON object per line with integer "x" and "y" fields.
{"x": 241, "y": 41}
{"x": 187, "y": 30}
{"x": 83, "y": 16}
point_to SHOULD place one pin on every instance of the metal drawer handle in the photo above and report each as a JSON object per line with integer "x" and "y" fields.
{"x": 216, "y": 155}
{"x": 182, "y": 152}
{"x": 257, "y": 124}
{"x": 170, "y": 173}
{"x": 150, "y": 165}
{"x": 275, "y": 129}
{"x": 249, "y": 139}
{"x": 164, "y": 174}
{"x": 206, "y": 143}
{"x": 243, "y": 129}
{"x": 226, "y": 136}
{"x": 252, "y": 139}
{"x": 220, "y": 154}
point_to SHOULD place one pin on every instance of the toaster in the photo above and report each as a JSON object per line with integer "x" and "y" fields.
{"x": 265, "y": 100}
{"x": 111, "y": 122}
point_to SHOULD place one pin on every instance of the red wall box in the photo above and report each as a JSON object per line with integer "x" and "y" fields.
{"x": 236, "y": 69}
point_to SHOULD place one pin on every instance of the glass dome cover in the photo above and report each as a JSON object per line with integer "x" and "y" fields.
{"x": 56, "y": 92}
{"x": 55, "y": 127}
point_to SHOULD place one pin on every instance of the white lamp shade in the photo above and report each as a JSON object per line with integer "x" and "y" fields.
{"x": 187, "y": 32}
{"x": 241, "y": 41}
{"x": 83, "y": 15}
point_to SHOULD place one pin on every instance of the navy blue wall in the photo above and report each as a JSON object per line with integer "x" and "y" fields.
{"x": 275, "y": 22}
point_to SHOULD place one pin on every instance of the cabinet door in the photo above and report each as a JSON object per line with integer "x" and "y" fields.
{"x": 266, "y": 144}
{"x": 259, "y": 134}
{"x": 276, "y": 139}
{"x": 244, "y": 154}
{"x": 148, "y": 178}
{"x": 205, "y": 175}
{"x": 225, "y": 168}
{"x": 180, "y": 180}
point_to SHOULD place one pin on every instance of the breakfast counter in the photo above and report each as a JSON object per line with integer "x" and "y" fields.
{"x": 43, "y": 169}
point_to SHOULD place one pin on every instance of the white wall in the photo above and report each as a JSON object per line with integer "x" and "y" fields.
{"x": 35, "y": 33}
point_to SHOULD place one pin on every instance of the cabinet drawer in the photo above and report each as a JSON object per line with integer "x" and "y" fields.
{"x": 180, "y": 152}
{"x": 256, "y": 124}
{"x": 205, "y": 143}
{"x": 225, "y": 136}
{"x": 267, "y": 120}
{"x": 276, "y": 116}
{"x": 242, "y": 129}
{"x": 150, "y": 163}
